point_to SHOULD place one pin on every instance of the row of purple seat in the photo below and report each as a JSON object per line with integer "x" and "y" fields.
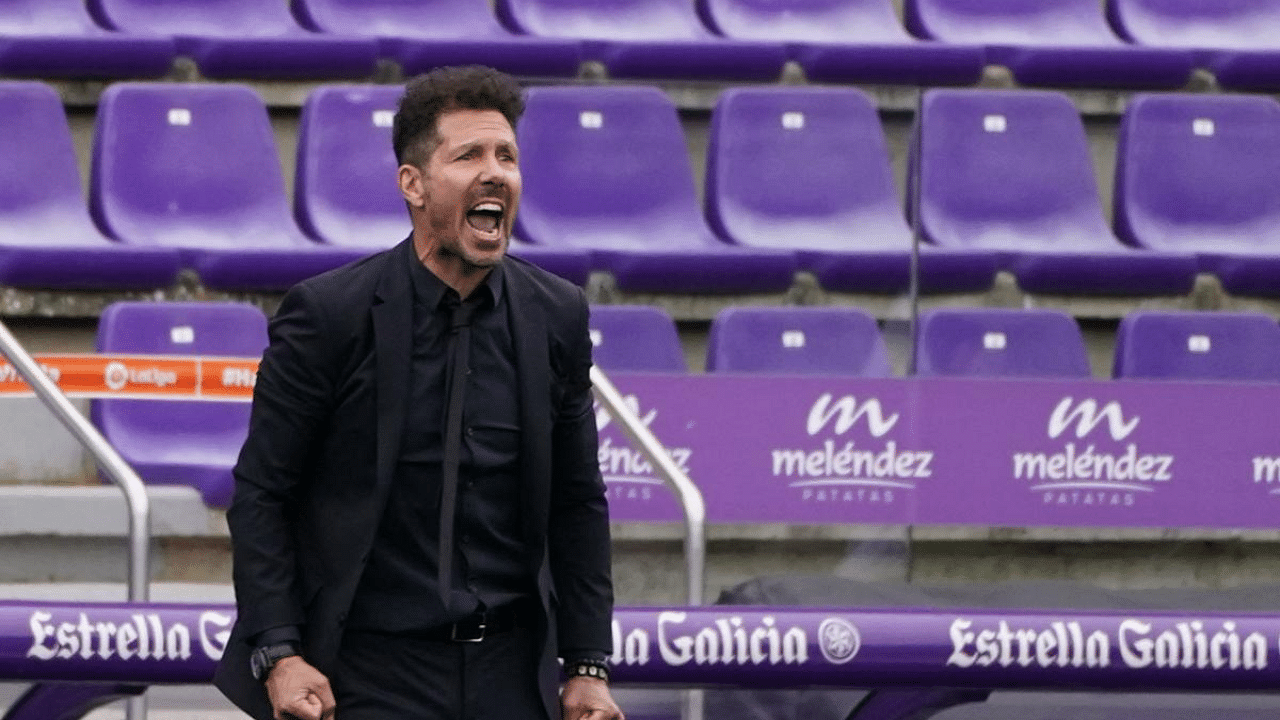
{"x": 188, "y": 175}
{"x": 951, "y": 342}
{"x": 1050, "y": 42}
{"x": 196, "y": 443}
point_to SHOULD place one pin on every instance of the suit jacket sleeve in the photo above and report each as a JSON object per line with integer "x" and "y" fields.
{"x": 578, "y": 528}
{"x": 291, "y": 403}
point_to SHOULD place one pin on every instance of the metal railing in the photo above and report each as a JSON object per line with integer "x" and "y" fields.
{"x": 135, "y": 493}
{"x": 688, "y": 495}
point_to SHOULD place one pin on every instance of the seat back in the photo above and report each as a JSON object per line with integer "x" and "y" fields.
{"x": 1008, "y": 170}
{"x": 344, "y": 189}
{"x": 606, "y": 168}
{"x": 802, "y": 168}
{"x": 207, "y": 18}
{"x": 604, "y": 19}
{"x": 838, "y": 21}
{"x": 799, "y": 340}
{"x": 399, "y": 18}
{"x": 1010, "y": 22}
{"x": 635, "y": 337}
{"x": 186, "y": 165}
{"x": 174, "y": 434}
{"x": 1237, "y": 25}
{"x": 1198, "y": 346}
{"x": 40, "y": 187}
{"x": 1199, "y": 173}
{"x": 46, "y": 17}
{"x": 986, "y": 342}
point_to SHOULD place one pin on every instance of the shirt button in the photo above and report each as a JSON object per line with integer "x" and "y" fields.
{"x": 471, "y": 431}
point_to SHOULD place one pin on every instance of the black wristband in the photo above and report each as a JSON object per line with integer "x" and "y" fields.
{"x": 586, "y": 667}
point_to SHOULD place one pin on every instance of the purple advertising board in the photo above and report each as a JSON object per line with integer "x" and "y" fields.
{"x": 949, "y": 451}
{"x": 759, "y": 647}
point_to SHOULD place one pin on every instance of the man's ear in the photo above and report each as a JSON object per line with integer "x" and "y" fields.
{"x": 411, "y": 186}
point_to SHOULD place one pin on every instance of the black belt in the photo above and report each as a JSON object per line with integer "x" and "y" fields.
{"x": 480, "y": 624}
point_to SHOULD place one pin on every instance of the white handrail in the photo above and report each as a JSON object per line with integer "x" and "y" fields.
{"x": 135, "y": 493}
{"x": 688, "y": 494}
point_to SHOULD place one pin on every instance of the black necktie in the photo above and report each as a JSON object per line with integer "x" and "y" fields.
{"x": 459, "y": 345}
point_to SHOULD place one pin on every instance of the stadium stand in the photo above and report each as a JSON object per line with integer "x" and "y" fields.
{"x": 606, "y": 169}
{"x": 459, "y": 32}
{"x": 1010, "y": 171}
{"x": 58, "y": 38}
{"x": 242, "y": 38}
{"x": 998, "y": 342}
{"x": 797, "y": 340}
{"x": 635, "y": 338}
{"x": 1198, "y": 346}
{"x": 195, "y": 167}
{"x": 808, "y": 169}
{"x": 645, "y": 38}
{"x": 1197, "y": 173}
{"x": 846, "y": 41}
{"x": 1238, "y": 41}
{"x": 180, "y": 442}
{"x": 344, "y": 190}
{"x": 46, "y": 235}
{"x": 1057, "y": 43}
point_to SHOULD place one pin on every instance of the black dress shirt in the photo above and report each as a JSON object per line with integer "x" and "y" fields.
{"x": 398, "y": 591}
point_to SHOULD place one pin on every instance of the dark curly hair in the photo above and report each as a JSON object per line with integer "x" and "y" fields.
{"x": 426, "y": 97}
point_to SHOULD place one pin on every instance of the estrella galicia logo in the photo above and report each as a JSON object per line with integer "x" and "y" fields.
{"x": 838, "y": 639}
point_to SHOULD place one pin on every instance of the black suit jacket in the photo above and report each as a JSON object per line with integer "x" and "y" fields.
{"x": 328, "y": 411}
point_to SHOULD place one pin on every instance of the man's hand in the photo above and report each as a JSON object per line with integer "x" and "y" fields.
{"x": 588, "y": 698}
{"x": 297, "y": 690}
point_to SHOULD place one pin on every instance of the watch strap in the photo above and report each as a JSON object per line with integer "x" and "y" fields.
{"x": 598, "y": 669}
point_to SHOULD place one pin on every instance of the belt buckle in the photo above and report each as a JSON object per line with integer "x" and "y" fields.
{"x": 468, "y": 637}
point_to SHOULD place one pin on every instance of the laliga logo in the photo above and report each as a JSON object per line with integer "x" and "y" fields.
{"x": 633, "y": 404}
{"x": 846, "y": 412}
{"x": 839, "y": 640}
{"x": 1087, "y": 417}
{"x": 116, "y": 375}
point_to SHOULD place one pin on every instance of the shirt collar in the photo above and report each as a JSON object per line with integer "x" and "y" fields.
{"x": 430, "y": 289}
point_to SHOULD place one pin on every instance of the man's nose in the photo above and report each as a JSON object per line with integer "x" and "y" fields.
{"x": 492, "y": 172}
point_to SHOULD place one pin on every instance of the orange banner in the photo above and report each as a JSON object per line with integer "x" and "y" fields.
{"x": 166, "y": 377}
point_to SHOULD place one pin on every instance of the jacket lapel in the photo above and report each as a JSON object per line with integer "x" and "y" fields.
{"x": 393, "y": 339}
{"x": 529, "y": 338}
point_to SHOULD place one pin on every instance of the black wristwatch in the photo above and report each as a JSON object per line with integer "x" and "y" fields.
{"x": 588, "y": 668}
{"x": 264, "y": 658}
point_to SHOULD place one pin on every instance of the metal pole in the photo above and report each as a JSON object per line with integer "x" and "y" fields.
{"x": 135, "y": 493}
{"x": 690, "y": 497}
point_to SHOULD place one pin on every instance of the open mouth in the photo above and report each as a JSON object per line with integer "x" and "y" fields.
{"x": 485, "y": 217}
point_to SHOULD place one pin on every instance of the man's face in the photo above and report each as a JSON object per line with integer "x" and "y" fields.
{"x": 470, "y": 187}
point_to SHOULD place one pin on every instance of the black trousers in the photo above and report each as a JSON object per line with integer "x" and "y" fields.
{"x": 398, "y": 677}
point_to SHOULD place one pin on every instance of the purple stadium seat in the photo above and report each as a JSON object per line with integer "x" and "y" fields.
{"x": 607, "y": 169}
{"x": 180, "y": 442}
{"x": 1198, "y": 346}
{"x": 195, "y": 167}
{"x": 807, "y": 169}
{"x": 47, "y": 239}
{"x": 1010, "y": 170}
{"x": 1239, "y": 40}
{"x": 460, "y": 32}
{"x": 635, "y": 338}
{"x": 242, "y": 38}
{"x": 344, "y": 189}
{"x": 645, "y": 38}
{"x": 990, "y": 342}
{"x": 1198, "y": 173}
{"x": 58, "y": 38}
{"x": 846, "y": 40}
{"x": 800, "y": 340}
{"x": 1050, "y": 42}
